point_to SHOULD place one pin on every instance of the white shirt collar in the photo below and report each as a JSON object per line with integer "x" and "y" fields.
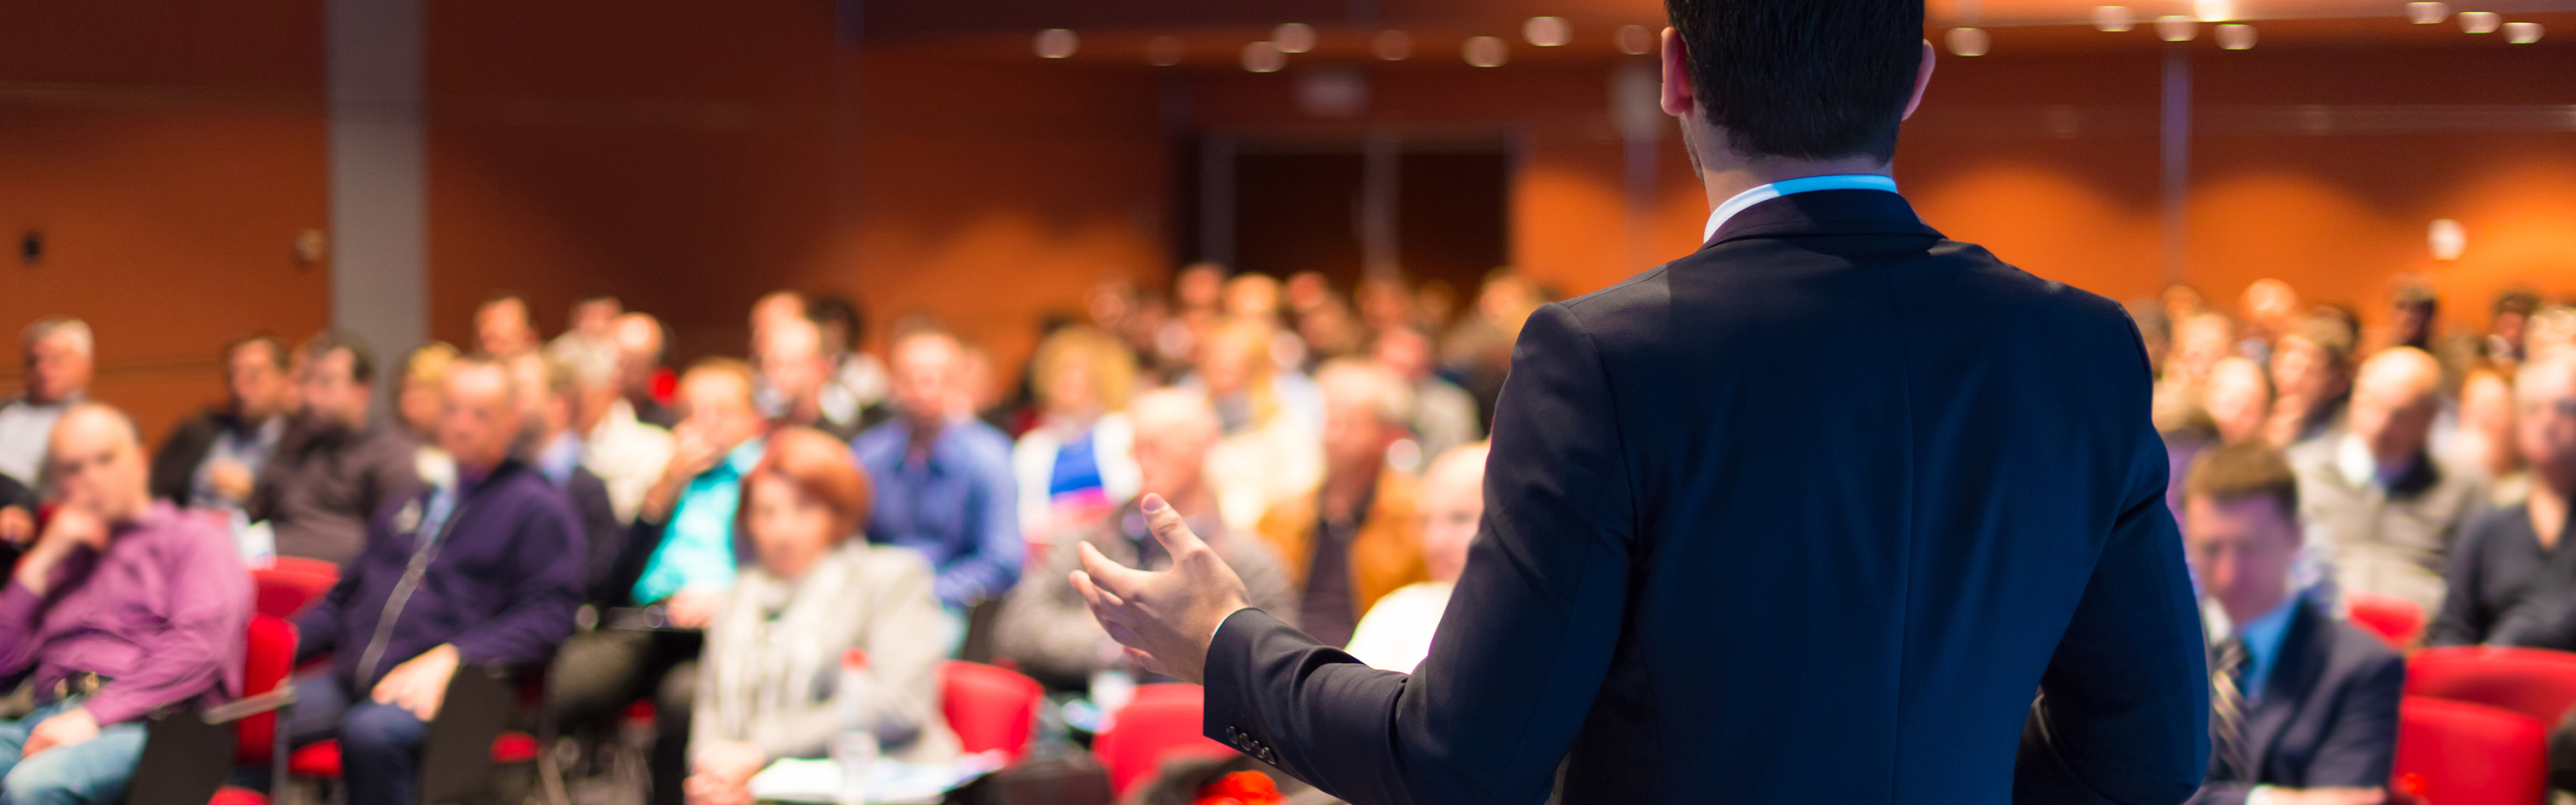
{"x": 1804, "y": 184}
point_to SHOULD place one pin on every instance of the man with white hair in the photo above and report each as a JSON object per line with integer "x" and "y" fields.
{"x": 59, "y": 360}
{"x": 627, "y": 453}
{"x": 1045, "y": 627}
{"x": 2383, "y": 509}
{"x": 1354, "y": 539}
{"x": 1396, "y": 633}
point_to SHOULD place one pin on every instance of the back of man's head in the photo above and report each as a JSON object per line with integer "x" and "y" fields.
{"x": 1803, "y": 79}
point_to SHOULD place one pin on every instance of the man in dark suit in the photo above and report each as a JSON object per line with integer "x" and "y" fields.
{"x": 1805, "y": 516}
{"x": 2303, "y": 706}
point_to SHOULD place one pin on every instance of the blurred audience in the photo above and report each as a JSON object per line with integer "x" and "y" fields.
{"x": 797, "y": 371}
{"x": 2303, "y": 706}
{"x": 503, "y": 326}
{"x": 2384, "y": 507}
{"x": 335, "y": 467}
{"x": 1444, "y": 415}
{"x": 2311, "y": 379}
{"x": 2483, "y": 439}
{"x": 1355, "y": 538}
{"x": 2238, "y": 398}
{"x": 123, "y": 606}
{"x": 2508, "y": 574}
{"x": 549, "y": 403}
{"x": 591, "y": 321}
{"x": 769, "y": 687}
{"x": 626, "y": 453}
{"x": 1046, "y": 628}
{"x": 857, "y": 388}
{"x": 1270, "y": 419}
{"x": 423, "y": 395}
{"x": 209, "y": 460}
{"x": 1077, "y": 462}
{"x": 942, "y": 478}
{"x": 483, "y": 572}
{"x": 2414, "y": 312}
{"x": 59, "y": 359}
{"x": 640, "y": 349}
{"x": 1396, "y": 633}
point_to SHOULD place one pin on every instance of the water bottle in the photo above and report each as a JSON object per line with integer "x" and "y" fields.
{"x": 856, "y": 749}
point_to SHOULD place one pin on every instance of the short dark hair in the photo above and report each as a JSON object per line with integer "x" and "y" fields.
{"x": 2234, "y": 472}
{"x": 277, "y": 352}
{"x": 1804, "y": 79}
{"x": 2517, "y": 301}
{"x": 837, "y": 310}
{"x": 362, "y": 359}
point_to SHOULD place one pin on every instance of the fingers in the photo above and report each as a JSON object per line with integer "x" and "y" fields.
{"x": 1092, "y": 593}
{"x": 1168, "y": 526}
{"x": 1110, "y": 576}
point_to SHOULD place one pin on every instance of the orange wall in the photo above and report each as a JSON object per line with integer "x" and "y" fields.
{"x": 169, "y": 155}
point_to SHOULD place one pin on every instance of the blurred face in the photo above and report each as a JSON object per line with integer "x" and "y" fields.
{"x": 1198, "y": 287}
{"x": 717, "y": 407}
{"x": 596, "y": 319}
{"x": 1074, "y": 390}
{"x": 2486, "y": 410}
{"x": 2238, "y": 399}
{"x": 331, "y": 394}
{"x": 2412, "y": 321}
{"x": 1355, "y": 439}
{"x": 421, "y": 403}
{"x": 255, "y": 383}
{"x": 775, "y": 309}
{"x": 2269, "y": 305}
{"x": 789, "y": 527}
{"x": 639, "y": 349}
{"x": 57, "y": 368}
{"x": 2545, "y": 425}
{"x": 1227, "y": 364}
{"x": 791, "y": 357}
{"x": 544, "y": 413}
{"x": 481, "y": 416}
{"x": 502, "y": 327}
{"x": 1252, "y": 295}
{"x": 2241, "y": 551}
{"x": 1453, "y": 503}
{"x": 926, "y": 369}
{"x": 2302, "y": 370}
{"x": 1404, "y": 352}
{"x": 2393, "y": 406}
{"x": 1171, "y": 455}
{"x": 2204, "y": 340}
{"x": 93, "y": 460}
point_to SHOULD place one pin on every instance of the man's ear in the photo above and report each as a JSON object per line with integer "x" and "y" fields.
{"x": 1678, "y": 98}
{"x": 1922, "y": 79}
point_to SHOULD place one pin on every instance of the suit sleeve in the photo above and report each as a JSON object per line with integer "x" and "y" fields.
{"x": 1500, "y": 699}
{"x": 2123, "y": 715}
{"x": 2361, "y": 746}
{"x": 542, "y": 596}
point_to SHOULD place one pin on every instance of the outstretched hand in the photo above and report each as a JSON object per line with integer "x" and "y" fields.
{"x": 1165, "y": 619}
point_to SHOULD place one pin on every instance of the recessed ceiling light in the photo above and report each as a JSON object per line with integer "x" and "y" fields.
{"x": 1263, "y": 57}
{"x": 1485, "y": 51}
{"x": 2480, "y": 22}
{"x": 2234, "y": 36}
{"x": 1392, "y": 45}
{"x": 1056, "y": 43}
{"x": 2177, "y": 28}
{"x": 2427, "y": 12}
{"x": 2522, "y": 33}
{"x": 1968, "y": 41}
{"x": 1547, "y": 32}
{"x": 2214, "y": 10}
{"x": 1163, "y": 51}
{"x": 1635, "y": 40}
{"x": 2113, "y": 19}
{"x": 1294, "y": 37}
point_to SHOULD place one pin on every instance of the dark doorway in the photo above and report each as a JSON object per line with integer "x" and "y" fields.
{"x": 1306, "y": 209}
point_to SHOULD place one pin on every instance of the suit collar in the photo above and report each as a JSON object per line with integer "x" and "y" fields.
{"x": 2301, "y": 663}
{"x": 1825, "y": 212}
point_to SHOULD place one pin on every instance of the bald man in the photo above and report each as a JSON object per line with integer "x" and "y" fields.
{"x": 1044, "y": 626}
{"x": 124, "y": 605}
{"x": 2382, "y": 509}
{"x": 1396, "y": 633}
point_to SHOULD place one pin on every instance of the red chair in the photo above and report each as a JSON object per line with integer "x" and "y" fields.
{"x": 284, "y": 593}
{"x": 2396, "y": 620}
{"x": 2457, "y": 753}
{"x": 298, "y": 564}
{"x": 2534, "y": 682}
{"x": 185, "y": 761}
{"x": 1161, "y": 724}
{"x": 989, "y": 708}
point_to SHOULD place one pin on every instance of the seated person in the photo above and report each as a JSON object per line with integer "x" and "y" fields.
{"x": 485, "y": 570}
{"x": 1354, "y": 538}
{"x": 1396, "y": 634}
{"x": 2303, "y": 707}
{"x": 334, "y": 467}
{"x": 767, "y": 688}
{"x": 942, "y": 479}
{"x": 2511, "y": 569}
{"x": 1045, "y": 625}
{"x": 121, "y": 607}
{"x": 678, "y": 561}
{"x": 2386, "y": 508}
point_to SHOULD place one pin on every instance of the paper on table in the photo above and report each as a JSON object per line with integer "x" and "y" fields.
{"x": 892, "y": 782}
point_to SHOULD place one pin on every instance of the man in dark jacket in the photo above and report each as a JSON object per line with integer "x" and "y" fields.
{"x": 485, "y": 572}
{"x": 333, "y": 468}
{"x": 210, "y": 460}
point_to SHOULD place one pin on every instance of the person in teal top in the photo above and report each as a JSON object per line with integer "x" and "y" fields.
{"x": 684, "y": 554}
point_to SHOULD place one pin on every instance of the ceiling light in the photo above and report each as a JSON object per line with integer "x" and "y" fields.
{"x": 1392, "y": 45}
{"x": 2213, "y": 10}
{"x": 2448, "y": 238}
{"x": 2480, "y": 22}
{"x": 1547, "y": 32}
{"x": 2427, "y": 12}
{"x": 2176, "y": 28}
{"x": 1163, "y": 51}
{"x": 1056, "y": 43}
{"x": 1294, "y": 37}
{"x": 1485, "y": 51}
{"x": 2522, "y": 33}
{"x": 1968, "y": 41}
{"x": 2113, "y": 19}
{"x": 1263, "y": 57}
{"x": 1635, "y": 40}
{"x": 2233, "y": 36}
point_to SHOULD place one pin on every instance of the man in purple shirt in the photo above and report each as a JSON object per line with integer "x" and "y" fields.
{"x": 122, "y": 607}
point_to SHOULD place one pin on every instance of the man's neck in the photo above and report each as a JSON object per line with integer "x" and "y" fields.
{"x": 1725, "y": 174}
{"x": 2237, "y": 621}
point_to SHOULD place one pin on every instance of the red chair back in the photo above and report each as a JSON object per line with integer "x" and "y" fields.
{"x": 2534, "y": 682}
{"x": 271, "y": 656}
{"x": 989, "y": 708}
{"x": 300, "y": 564}
{"x": 1161, "y": 723}
{"x": 2457, "y": 753}
{"x": 283, "y": 593}
{"x": 2396, "y": 620}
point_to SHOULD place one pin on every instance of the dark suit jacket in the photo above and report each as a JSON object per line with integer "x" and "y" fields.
{"x": 174, "y": 467}
{"x": 2327, "y": 716}
{"x": 1806, "y": 516}
{"x": 604, "y": 537}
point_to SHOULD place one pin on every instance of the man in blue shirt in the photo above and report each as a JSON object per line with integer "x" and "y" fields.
{"x": 677, "y": 564}
{"x": 2303, "y": 707}
{"x": 942, "y": 478}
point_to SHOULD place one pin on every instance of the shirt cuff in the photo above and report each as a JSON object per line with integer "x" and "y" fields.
{"x": 2260, "y": 795}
